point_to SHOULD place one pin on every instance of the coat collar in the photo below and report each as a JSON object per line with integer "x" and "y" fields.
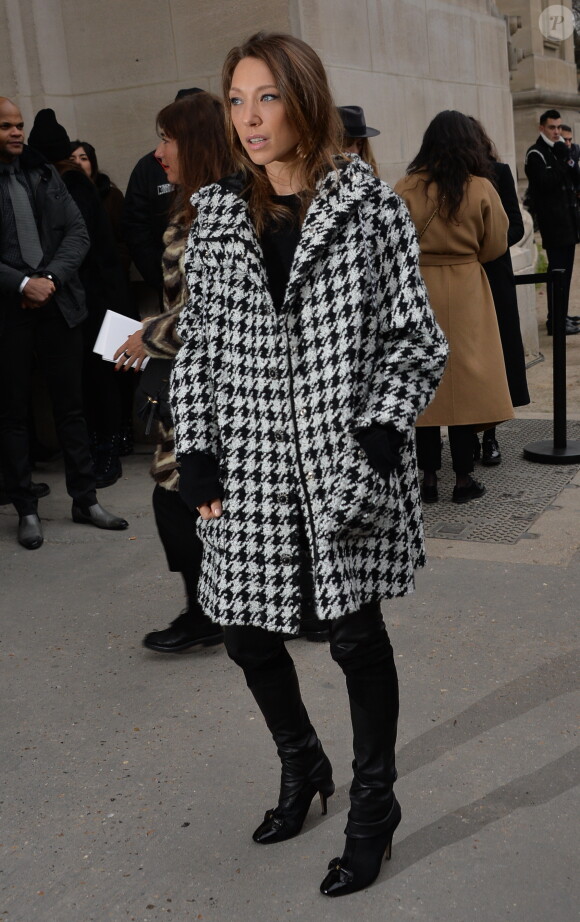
{"x": 222, "y": 215}
{"x": 541, "y": 143}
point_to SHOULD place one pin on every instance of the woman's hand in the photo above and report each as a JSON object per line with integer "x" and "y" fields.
{"x": 131, "y": 353}
{"x": 211, "y": 510}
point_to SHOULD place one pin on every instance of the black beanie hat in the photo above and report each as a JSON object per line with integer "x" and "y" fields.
{"x": 191, "y": 92}
{"x": 49, "y": 138}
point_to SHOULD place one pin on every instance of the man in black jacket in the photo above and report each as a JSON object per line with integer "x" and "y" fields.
{"x": 43, "y": 241}
{"x": 554, "y": 188}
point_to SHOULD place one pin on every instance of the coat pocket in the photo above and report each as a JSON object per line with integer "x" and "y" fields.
{"x": 359, "y": 498}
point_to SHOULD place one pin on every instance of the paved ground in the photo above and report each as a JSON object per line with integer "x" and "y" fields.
{"x": 133, "y": 780}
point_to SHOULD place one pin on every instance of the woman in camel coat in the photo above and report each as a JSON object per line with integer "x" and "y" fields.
{"x": 461, "y": 224}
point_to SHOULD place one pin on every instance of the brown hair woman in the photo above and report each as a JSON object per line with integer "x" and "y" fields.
{"x": 308, "y": 350}
{"x": 461, "y": 225}
{"x": 357, "y": 134}
{"x": 194, "y": 152}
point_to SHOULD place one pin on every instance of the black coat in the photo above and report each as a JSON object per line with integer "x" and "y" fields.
{"x": 147, "y": 202}
{"x": 63, "y": 236}
{"x": 100, "y": 273}
{"x": 554, "y": 186}
{"x": 501, "y": 280}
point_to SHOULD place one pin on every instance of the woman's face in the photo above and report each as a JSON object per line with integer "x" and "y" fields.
{"x": 168, "y": 156}
{"x": 259, "y": 115}
{"x": 82, "y": 158}
{"x": 352, "y": 145}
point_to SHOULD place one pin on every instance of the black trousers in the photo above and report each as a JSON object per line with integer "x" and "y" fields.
{"x": 59, "y": 350}
{"x": 176, "y": 527}
{"x": 102, "y": 394}
{"x": 561, "y": 258}
{"x": 429, "y": 448}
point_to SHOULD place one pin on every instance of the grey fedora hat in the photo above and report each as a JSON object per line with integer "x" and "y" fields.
{"x": 355, "y": 126}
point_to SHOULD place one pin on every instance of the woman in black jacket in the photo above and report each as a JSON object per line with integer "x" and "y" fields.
{"x": 500, "y": 275}
{"x": 85, "y": 156}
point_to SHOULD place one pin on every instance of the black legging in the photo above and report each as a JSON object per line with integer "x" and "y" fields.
{"x": 183, "y": 549}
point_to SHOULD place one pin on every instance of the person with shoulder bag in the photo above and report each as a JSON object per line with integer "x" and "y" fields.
{"x": 194, "y": 152}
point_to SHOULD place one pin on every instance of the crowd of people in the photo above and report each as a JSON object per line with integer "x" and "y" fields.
{"x": 315, "y": 331}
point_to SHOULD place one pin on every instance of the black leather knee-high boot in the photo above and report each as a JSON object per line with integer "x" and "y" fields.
{"x": 306, "y": 769}
{"x": 361, "y": 646}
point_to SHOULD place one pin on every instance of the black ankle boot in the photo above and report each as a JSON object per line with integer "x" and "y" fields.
{"x": 126, "y": 440}
{"x": 306, "y": 769}
{"x": 108, "y": 467}
{"x": 361, "y": 860}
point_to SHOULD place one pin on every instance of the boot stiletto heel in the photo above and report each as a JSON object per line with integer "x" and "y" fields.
{"x": 298, "y": 788}
{"x": 361, "y": 861}
{"x": 285, "y": 822}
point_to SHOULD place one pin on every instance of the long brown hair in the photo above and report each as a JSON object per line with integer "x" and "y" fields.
{"x": 486, "y": 142}
{"x": 303, "y": 86}
{"x": 196, "y": 123}
{"x": 451, "y": 152}
{"x": 365, "y": 151}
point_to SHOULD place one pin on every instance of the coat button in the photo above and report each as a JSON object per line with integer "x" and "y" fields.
{"x": 310, "y": 475}
{"x": 361, "y": 453}
{"x": 273, "y": 372}
{"x": 280, "y": 436}
{"x": 285, "y": 559}
{"x": 302, "y": 412}
{"x": 283, "y": 497}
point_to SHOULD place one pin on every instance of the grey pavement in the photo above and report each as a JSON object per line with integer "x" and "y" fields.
{"x": 132, "y": 781}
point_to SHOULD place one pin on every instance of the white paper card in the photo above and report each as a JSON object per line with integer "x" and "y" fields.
{"x": 115, "y": 329}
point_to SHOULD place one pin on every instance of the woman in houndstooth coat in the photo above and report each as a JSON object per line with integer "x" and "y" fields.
{"x": 309, "y": 350}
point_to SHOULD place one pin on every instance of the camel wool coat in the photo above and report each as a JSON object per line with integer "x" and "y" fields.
{"x": 278, "y": 396}
{"x": 474, "y": 389}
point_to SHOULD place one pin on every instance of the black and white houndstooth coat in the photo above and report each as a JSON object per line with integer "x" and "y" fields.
{"x": 276, "y": 399}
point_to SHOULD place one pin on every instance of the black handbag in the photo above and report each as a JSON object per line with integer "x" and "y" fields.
{"x": 152, "y": 396}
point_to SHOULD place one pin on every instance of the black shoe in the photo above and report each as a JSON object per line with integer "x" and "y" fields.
{"x": 491, "y": 455}
{"x": 39, "y": 490}
{"x": 126, "y": 441}
{"x": 473, "y": 490}
{"x": 30, "y": 532}
{"x": 361, "y": 860}
{"x": 96, "y": 515}
{"x": 571, "y": 327}
{"x": 303, "y": 776}
{"x": 185, "y": 632}
{"x": 429, "y": 492}
{"x": 314, "y": 630}
{"x": 108, "y": 467}
{"x": 574, "y": 318}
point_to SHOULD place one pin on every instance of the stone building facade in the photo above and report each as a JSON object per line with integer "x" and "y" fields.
{"x": 544, "y": 74}
{"x": 107, "y": 67}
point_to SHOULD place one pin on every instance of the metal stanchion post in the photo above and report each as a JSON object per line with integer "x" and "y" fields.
{"x": 558, "y": 450}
